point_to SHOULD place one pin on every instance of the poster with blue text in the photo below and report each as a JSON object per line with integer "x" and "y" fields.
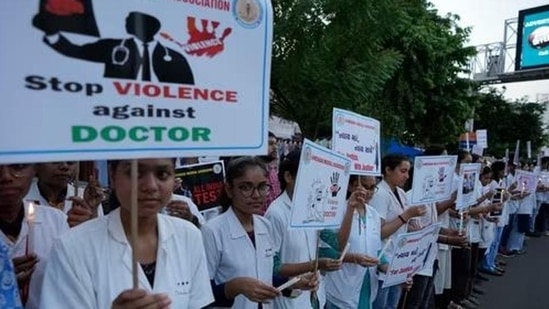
{"x": 358, "y": 138}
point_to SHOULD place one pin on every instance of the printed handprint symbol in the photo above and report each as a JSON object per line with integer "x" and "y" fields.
{"x": 334, "y": 188}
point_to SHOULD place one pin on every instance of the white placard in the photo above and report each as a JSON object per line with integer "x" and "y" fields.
{"x": 357, "y": 137}
{"x": 529, "y": 149}
{"x": 433, "y": 177}
{"x": 76, "y": 84}
{"x": 482, "y": 138}
{"x": 319, "y": 199}
{"x": 527, "y": 182}
{"x": 478, "y": 150}
{"x": 468, "y": 174}
{"x": 413, "y": 252}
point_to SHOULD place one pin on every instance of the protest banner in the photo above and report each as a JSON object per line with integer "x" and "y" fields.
{"x": 92, "y": 80}
{"x": 527, "y": 182}
{"x": 357, "y": 137}
{"x": 413, "y": 252}
{"x": 433, "y": 177}
{"x": 9, "y": 294}
{"x": 205, "y": 181}
{"x": 482, "y": 138}
{"x": 469, "y": 174}
{"x": 319, "y": 199}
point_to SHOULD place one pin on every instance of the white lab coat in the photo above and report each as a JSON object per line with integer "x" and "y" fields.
{"x": 35, "y": 196}
{"x": 231, "y": 253}
{"x": 92, "y": 264}
{"x": 295, "y": 246}
{"x": 343, "y": 286}
{"x": 49, "y": 224}
{"x": 388, "y": 207}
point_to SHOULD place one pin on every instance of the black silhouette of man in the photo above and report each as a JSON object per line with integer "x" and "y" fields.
{"x": 124, "y": 58}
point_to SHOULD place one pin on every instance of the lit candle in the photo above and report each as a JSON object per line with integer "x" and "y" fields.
{"x": 30, "y": 236}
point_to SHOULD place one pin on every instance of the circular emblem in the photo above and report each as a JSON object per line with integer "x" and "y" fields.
{"x": 248, "y": 13}
{"x": 402, "y": 242}
{"x": 217, "y": 168}
{"x": 340, "y": 120}
{"x": 307, "y": 155}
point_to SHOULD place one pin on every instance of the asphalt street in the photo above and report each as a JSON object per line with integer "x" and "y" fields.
{"x": 525, "y": 284}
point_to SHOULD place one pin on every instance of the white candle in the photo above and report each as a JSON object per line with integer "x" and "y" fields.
{"x": 344, "y": 252}
{"x": 384, "y": 249}
{"x": 460, "y": 223}
{"x": 30, "y": 236}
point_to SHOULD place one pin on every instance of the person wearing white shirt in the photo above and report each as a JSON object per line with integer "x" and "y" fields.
{"x": 355, "y": 285}
{"x": 53, "y": 187}
{"x": 239, "y": 245}
{"x": 297, "y": 246}
{"x": 521, "y": 222}
{"x": 29, "y": 248}
{"x": 91, "y": 266}
{"x": 390, "y": 203}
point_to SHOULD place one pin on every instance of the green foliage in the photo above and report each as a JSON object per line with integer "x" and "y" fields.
{"x": 393, "y": 60}
{"x": 508, "y": 122}
{"x": 330, "y": 53}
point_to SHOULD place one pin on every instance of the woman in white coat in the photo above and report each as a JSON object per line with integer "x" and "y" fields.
{"x": 91, "y": 266}
{"x": 390, "y": 203}
{"x": 355, "y": 285}
{"x": 239, "y": 245}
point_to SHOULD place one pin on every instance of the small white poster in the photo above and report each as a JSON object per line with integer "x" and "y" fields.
{"x": 482, "y": 138}
{"x": 357, "y": 137}
{"x": 468, "y": 174}
{"x": 319, "y": 199}
{"x": 527, "y": 182}
{"x": 414, "y": 252}
{"x": 433, "y": 176}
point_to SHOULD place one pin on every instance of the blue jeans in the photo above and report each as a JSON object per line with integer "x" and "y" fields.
{"x": 489, "y": 260}
{"x": 387, "y": 298}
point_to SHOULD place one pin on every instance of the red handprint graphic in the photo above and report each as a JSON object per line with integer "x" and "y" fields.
{"x": 64, "y": 7}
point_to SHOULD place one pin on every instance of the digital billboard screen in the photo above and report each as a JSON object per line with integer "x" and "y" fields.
{"x": 533, "y": 38}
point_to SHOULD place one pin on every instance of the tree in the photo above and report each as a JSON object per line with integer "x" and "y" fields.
{"x": 330, "y": 53}
{"x": 508, "y": 122}
{"x": 426, "y": 101}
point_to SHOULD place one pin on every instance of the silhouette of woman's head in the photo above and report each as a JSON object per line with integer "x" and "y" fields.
{"x": 143, "y": 26}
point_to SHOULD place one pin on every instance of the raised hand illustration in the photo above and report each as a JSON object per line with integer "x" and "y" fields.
{"x": 334, "y": 180}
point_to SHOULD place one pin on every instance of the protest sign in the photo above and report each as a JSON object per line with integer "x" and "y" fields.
{"x": 357, "y": 137}
{"x": 91, "y": 80}
{"x": 9, "y": 294}
{"x": 482, "y": 138}
{"x": 469, "y": 174}
{"x": 205, "y": 181}
{"x": 413, "y": 252}
{"x": 527, "y": 182}
{"x": 319, "y": 199}
{"x": 433, "y": 177}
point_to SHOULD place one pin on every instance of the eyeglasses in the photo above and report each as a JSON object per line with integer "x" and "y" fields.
{"x": 247, "y": 189}
{"x": 16, "y": 170}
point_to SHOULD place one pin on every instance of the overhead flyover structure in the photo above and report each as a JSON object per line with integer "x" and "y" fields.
{"x": 523, "y": 55}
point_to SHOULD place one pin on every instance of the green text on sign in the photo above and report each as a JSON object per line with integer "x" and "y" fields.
{"x": 86, "y": 134}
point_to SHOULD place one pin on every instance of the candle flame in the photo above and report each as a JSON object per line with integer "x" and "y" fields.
{"x": 31, "y": 211}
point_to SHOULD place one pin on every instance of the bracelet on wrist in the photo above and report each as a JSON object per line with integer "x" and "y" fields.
{"x": 402, "y": 219}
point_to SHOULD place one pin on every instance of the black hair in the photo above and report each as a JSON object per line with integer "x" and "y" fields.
{"x": 497, "y": 167}
{"x": 391, "y": 161}
{"x": 434, "y": 150}
{"x": 236, "y": 168}
{"x": 462, "y": 154}
{"x": 289, "y": 163}
{"x": 271, "y": 134}
{"x": 475, "y": 158}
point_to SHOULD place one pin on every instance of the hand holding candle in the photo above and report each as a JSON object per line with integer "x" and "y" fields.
{"x": 30, "y": 236}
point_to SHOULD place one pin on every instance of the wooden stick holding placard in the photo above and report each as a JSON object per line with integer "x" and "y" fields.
{"x": 133, "y": 222}
{"x": 315, "y": 304}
